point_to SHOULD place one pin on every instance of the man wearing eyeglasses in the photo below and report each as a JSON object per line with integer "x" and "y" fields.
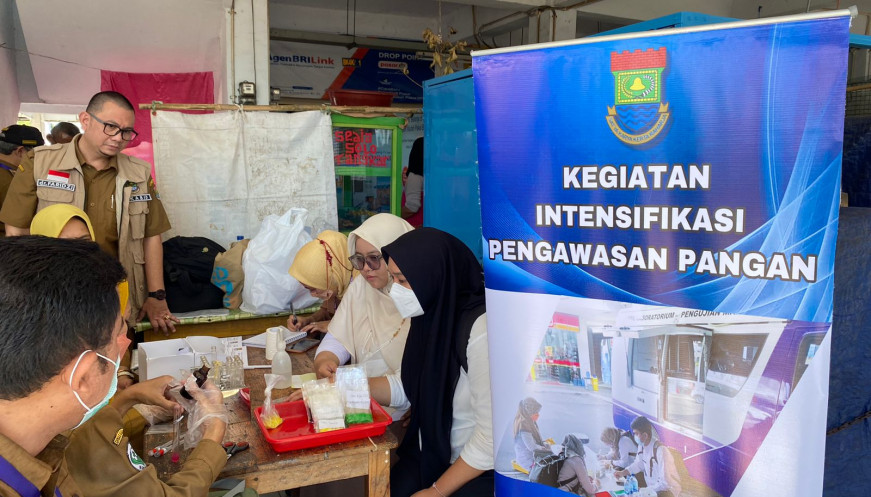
{"x": 114, "y": 189}
{"x": 15, "y": 142}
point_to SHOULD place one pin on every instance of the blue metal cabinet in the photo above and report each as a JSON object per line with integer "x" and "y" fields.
{"x": 451, "y": 199}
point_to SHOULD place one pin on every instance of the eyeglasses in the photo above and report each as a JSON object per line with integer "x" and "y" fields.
{"x": 373, "y": 261}
{"x": 111, "y": 129}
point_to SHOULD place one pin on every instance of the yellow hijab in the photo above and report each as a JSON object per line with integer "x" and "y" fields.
{"x": 51, "y": 220}
{"x": 323, "y": 263}
{"x": 123, "y": 295}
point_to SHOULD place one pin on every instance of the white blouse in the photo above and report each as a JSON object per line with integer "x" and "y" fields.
{"x": 472, "y": 426}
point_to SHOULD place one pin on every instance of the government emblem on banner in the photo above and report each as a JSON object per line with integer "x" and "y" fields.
{"x": 638, "y": 114}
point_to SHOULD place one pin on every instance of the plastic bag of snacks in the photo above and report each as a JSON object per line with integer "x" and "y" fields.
{"x": 324, "y": 401}
{"x": 269, "y": 415}
{"x": 354, "y": 384}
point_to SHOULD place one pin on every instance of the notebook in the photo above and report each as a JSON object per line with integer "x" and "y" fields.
{"x": 260, "y": 340}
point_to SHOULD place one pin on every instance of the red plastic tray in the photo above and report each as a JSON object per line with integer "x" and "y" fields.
{"x": 297, "y": 433}
{"x": 245, "y": 395}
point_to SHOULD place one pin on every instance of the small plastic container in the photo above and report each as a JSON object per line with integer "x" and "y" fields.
{"x": 297, "y": 433}
{"x": 360, "y": 98}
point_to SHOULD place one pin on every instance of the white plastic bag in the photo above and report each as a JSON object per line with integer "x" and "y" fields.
{"x": 268, "y": 286}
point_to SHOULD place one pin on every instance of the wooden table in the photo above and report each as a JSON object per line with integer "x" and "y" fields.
{"x": 265, "y": 470}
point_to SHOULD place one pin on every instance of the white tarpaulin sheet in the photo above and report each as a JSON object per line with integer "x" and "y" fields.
{"x": 220, "y": 174}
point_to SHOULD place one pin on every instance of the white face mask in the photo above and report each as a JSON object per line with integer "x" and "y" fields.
{"x": 90, "y": 411}
{"x": 406, "y": 301}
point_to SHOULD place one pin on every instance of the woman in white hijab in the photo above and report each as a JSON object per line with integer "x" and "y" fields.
{"x": 367, "y": 329}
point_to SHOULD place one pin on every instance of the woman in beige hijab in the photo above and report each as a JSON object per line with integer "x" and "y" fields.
{"x": 367, "y": 329}
{"x": 323, "y": 268}
{"x": 62, "y": 221}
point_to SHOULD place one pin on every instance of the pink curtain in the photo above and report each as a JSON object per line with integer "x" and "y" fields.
{"x": 169, "y": 88}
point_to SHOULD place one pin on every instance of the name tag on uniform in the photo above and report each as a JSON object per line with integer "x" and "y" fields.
{"x": 141, "y": 198}
{"x": 45, "y": 183}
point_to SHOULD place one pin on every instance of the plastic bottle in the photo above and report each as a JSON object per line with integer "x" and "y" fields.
{"x": 627, "y": 485}
{"x": 634, "y": 483}
{"x": 281, "y": 364}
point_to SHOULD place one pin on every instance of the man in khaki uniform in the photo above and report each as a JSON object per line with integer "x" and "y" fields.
{"x": 104, "y": 464}
{"x": 53, "y": 362}
{"x": 57, "y": 374}
{"x": 115, "y": 190}
{"x": 15, "y": 142}
{"x": 62, "y": 132}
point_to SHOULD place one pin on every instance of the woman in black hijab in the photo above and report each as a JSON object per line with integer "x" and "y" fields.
{"x": 573, "y": 474}
{"x": 448, "y": 449}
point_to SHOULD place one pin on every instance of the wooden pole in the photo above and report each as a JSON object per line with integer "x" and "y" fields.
{"x": 287, "y": 108}
{"x": 859, "y": 87}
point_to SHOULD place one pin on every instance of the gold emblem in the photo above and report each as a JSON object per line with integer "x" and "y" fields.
{"x": 118, "y": 437}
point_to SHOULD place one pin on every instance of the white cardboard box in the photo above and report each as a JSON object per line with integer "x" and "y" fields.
{"x": 164, "y": 357}
{"x": 172, "y": 356}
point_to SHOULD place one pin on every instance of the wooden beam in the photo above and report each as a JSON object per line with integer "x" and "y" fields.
{"x": 341, "y": 109}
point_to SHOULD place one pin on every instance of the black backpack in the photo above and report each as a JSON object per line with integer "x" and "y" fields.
{"x": 546, "y": 468}
{"x": 187, "y": 274}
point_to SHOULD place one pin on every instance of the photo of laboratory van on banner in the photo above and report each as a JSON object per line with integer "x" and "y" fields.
{"x": 659, "y": 215}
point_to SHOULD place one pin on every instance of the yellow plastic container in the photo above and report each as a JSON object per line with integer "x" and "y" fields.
{"x": 595, "y": 384}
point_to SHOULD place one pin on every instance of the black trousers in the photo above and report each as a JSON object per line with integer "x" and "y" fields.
{"x": 405, "y": 480}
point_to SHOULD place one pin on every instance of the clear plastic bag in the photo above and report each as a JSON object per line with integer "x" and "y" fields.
{"x": 210, "y": 405}
{"x": 324, "y": 402}
{"x": 153, "y": 414}
{"x": 354, "y": 385}
{"x": 269, "y": 415}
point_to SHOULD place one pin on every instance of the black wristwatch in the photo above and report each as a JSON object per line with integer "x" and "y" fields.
{"x": 159, "y": 295}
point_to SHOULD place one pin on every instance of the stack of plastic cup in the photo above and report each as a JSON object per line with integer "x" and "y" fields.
{"x": 273, "y": 337}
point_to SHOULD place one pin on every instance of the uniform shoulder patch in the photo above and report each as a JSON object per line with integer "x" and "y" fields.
{"x": 118, "y": 437}
{"x": 134, "y": 458}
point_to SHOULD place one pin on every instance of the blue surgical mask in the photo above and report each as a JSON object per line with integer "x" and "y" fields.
{"x": 90, "y": 411}
{"x": 638, "y": 441}
{"x": 406, "y": 301}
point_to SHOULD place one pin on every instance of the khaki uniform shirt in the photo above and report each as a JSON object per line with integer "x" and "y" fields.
{"x": 7, "y": 172}
{"x": 46, "y": 471}
{"x": 103, "y": 462}
{"x": 99, "y": 202}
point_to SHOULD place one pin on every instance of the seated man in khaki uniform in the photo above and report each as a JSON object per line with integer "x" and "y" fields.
{"x": 15, "y": 142}
{"x": 114, "y": 189}
{"x": 69, "y": 378}
{"x": 103, "y": 462}
{"x": 57, "y": 367}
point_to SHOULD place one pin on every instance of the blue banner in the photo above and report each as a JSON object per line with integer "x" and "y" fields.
{"x": 659, "y": 216}
{"x": 700, "y": 170}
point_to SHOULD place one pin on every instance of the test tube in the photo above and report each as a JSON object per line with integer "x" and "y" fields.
{"x": 176, "y": 436}
{"x": 240, "y": 371}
